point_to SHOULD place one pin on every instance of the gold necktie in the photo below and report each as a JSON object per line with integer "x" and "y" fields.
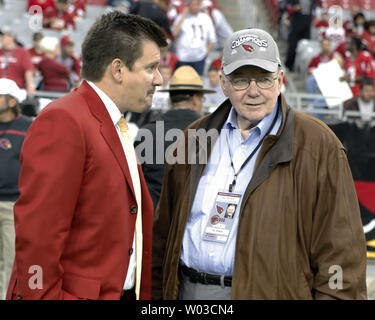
{"x": 132, "y": 164}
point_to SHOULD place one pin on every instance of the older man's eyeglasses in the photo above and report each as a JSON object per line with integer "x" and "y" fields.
{"x": 244, "y": 83}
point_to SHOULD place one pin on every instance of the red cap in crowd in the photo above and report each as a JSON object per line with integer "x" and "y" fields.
{"x": 66, "y": 41}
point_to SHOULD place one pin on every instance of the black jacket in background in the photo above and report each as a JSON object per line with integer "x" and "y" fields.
{"x": 12, "y": 135}
{"x": 152, "y": 11}
{"x": 153, "y": 173}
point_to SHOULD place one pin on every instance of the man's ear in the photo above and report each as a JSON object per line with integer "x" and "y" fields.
{"x": 223, "y": 85}
{"x": 280, "y": 80}
{"x": 117, "y": 67}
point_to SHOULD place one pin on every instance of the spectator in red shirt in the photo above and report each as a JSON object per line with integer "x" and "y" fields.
{"x": 55, "y": 75}
{"x": 69, "y": 59}
{"x": 46, "y": 5}
{"x": 59, "y": 18}
{"x": 358, "y": 64}
{"x": 77, "y": 8}
{"x": 35, "y": 52}
{"x": 15, "y": 61}
{"x": 368, "y": 37}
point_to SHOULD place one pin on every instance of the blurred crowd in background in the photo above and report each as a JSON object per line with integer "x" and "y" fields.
{"x": 41, "y": 62}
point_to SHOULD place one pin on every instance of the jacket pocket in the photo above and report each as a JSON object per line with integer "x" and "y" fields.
{"x": 81, "y": 287}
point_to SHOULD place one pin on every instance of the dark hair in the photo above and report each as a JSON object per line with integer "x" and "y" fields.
{"x": 117, "y": 35}
{"x": 37, "y": 36}
{"x": 358, "y": 15}
{"x": 181, "y": 95}
{"x": 367, "y": 82}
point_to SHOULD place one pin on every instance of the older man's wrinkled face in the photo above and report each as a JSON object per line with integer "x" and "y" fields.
{"x": 253, "y": 103}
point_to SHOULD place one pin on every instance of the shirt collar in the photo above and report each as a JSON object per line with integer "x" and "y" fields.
{"x": 262, "y": 126}
{"x": 111, "y": 107}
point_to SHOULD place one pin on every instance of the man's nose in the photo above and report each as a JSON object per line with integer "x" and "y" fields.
{"x": 158, "y": 78}
{"x": 253, "y": 89}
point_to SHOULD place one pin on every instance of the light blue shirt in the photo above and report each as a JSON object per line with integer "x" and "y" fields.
{"x": 208, "y": 256}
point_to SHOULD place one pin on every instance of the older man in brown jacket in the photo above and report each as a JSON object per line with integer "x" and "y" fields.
{"x": 296, "y": 231}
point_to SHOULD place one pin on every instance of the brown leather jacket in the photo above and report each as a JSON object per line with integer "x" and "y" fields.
{"x": 299, "y": 217}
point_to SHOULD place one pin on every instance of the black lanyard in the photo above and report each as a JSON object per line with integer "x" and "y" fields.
{"x": 251, "y": 154}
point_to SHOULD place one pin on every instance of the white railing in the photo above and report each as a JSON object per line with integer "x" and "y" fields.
{"x": 304, "y": 102}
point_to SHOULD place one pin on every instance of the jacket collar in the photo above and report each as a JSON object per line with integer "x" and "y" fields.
{"x": 275, "y": 149}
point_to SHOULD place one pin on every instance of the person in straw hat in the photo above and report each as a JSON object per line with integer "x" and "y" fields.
{"x": 186, "y": 94}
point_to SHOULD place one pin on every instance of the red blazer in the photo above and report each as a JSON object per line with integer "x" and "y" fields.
{"x": 75, "y": 215}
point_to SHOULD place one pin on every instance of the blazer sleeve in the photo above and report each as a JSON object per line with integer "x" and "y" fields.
{"x": 338, "y": 248}
{"x": 52, "y": 165}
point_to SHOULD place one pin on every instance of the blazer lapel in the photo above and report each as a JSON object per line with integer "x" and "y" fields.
{"x": 107, "y": 129}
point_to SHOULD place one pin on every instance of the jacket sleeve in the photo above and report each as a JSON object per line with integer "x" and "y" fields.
{"x": 162, "y": 224}
{"x": 52, "y": 165}
{"x": 163, "y": 216}
{"x": 338, "y": 248}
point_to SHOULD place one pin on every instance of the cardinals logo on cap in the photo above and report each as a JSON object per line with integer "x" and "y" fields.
{"x": 248, "y": 47}
{"x": 5, "y": 144}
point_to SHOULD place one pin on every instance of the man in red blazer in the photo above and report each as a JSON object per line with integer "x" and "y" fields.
{"x": 80, "y": 186}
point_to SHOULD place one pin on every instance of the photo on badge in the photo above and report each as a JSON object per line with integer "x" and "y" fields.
{"x": 231, "y": 209}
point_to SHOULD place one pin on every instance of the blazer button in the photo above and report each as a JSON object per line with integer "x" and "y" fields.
{"x": 130, "y": 251}
{"x": 133, "y": 209}
{"x": 19, "y": 297}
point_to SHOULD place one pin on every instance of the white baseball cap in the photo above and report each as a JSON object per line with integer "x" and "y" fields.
{"x": 9, "y": 87}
